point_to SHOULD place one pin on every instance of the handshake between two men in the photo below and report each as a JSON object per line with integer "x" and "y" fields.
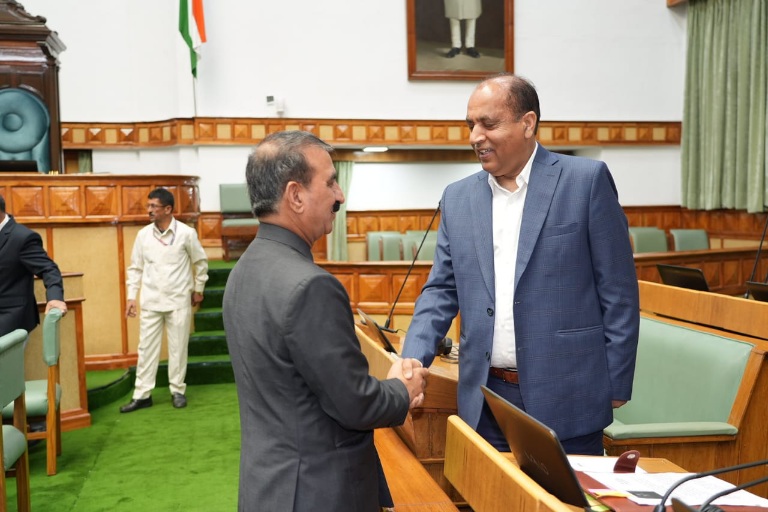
{"x": 411, "y": 373}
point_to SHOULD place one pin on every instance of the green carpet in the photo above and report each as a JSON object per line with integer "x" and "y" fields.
{"x": 158, "y": 459}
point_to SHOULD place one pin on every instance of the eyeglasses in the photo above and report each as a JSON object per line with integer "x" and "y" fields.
{"x": 155, "y": 206}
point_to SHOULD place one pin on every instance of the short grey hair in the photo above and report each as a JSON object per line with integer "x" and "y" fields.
{"x": 277, "y": 160}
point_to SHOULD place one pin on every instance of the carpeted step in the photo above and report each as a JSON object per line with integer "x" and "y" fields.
{"x": 209, "y": 319}
{"x": 200, "y": 370}
{"x": 208, "y": 343}
{"x": 212, "y": 297}
{"x": 110, "y": 390}
{"x": 218, "y": 271}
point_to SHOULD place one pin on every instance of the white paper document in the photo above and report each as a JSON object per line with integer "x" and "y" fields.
{"x": 590, "y": 463}
{"x": 649, "y": 488}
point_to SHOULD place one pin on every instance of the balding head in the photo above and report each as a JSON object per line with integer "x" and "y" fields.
{"x": 521, "y": 96}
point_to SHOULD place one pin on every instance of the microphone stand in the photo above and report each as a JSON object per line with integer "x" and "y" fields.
{"x": 757, "y": 258}
{"x": 408, "y": 274}
{"x": 661, "y": 507}
{"x": 707, "y": 507}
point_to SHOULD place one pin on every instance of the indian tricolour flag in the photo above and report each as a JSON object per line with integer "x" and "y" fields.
{"x": 192, "y": 28}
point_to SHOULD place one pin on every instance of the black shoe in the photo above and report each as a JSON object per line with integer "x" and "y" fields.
{"x": 473, "y": 53}
{"x": 452, "y": 53}
{"x": 135, "y": 405}
{"x": 179, "y": 400}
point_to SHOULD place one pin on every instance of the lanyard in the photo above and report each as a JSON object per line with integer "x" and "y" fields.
{"x": 173, "y": 238}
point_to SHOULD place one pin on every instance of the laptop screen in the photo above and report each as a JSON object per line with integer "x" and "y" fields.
{"x": 683, "y": 277}
{"x": 375, "y": 332}
{"x": 537, "y": 449}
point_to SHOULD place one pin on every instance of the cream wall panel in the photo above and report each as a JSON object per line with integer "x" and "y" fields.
{"x": 129, "y": 235}
{"x": 91, "y": 250}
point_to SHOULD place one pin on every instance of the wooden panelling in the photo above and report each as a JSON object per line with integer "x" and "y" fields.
{"x": 352, "y": 132}
{"x": 94, "y": 198}
{"x": 407, "y": 156}
{"x": 734, "y": 224}
{"x": 720, "y": 223}
{"x": 359, "y": 223}
{"x": 82, "y": 219}
{"x": 209, "y": 229}
{"x": 373, "y": 286}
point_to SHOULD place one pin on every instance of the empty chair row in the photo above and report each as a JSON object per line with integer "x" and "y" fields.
{"x": 397, "y": 246}
{"x": 653, "y": 239}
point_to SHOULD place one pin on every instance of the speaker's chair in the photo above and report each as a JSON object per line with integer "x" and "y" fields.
{"x": 24, "y": 128}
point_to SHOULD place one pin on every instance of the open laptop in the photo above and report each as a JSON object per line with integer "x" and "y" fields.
{"x": 538, "y": 450}
{"x": 375, "y": 332}
{"x": 759, "y": 291}
{"x": 683, "y": 277}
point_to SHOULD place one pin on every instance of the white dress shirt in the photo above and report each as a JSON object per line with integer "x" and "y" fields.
{"x": 167, "y": 266}
{"x": 507, "y": 219}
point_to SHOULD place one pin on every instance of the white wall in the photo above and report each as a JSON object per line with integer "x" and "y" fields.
{"x": 643, "y": 177}
{"x": 591, "y": 60}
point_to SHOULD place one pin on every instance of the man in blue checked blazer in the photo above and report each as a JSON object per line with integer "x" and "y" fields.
{"x": 534, "y": 253}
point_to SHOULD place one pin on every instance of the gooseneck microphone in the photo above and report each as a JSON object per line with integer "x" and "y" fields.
{"x": 410, "y": 269}
{"x": 708, "y": 507}
{"x": 757, "y": 257}
{"x": 661, "y": 507}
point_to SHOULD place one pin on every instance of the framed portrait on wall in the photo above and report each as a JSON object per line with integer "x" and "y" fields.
{"x": 459, "y": 39}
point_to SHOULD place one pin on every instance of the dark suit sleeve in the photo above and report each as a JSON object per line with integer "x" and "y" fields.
{"x": 321, "y": 336}
{"x": 36, "y": 261}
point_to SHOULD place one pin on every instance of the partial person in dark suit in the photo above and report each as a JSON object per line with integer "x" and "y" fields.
{"x": 308, "y": 405}
{"x": 22, "y": 257}
{"x": 534, "y": 252}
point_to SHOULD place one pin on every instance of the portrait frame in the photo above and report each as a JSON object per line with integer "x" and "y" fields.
{"x": 432, "y": 64}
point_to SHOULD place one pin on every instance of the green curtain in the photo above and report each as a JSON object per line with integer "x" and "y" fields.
{"x": 337, "y": 240}
{"x": 725, "y": 118}
{"x": 84, "y": 162}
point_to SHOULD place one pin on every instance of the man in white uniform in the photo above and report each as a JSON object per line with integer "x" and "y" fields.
{"x": 171, "y": 268}
{"x": 469, "y": 11}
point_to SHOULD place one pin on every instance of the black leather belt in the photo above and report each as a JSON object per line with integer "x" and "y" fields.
{"x": 508, "y": 375}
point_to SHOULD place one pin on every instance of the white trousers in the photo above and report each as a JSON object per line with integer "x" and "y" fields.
{"x": 469, "y": 37}
{"x": 151, "y": 325}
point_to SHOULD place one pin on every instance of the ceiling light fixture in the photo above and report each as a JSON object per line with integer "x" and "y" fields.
{"x": 375, "y": 149}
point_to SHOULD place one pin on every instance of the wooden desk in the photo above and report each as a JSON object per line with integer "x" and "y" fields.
{"x": 411, "y": 486}
{"x": 425, "y": 426}
{"x": 492, "y": 481}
